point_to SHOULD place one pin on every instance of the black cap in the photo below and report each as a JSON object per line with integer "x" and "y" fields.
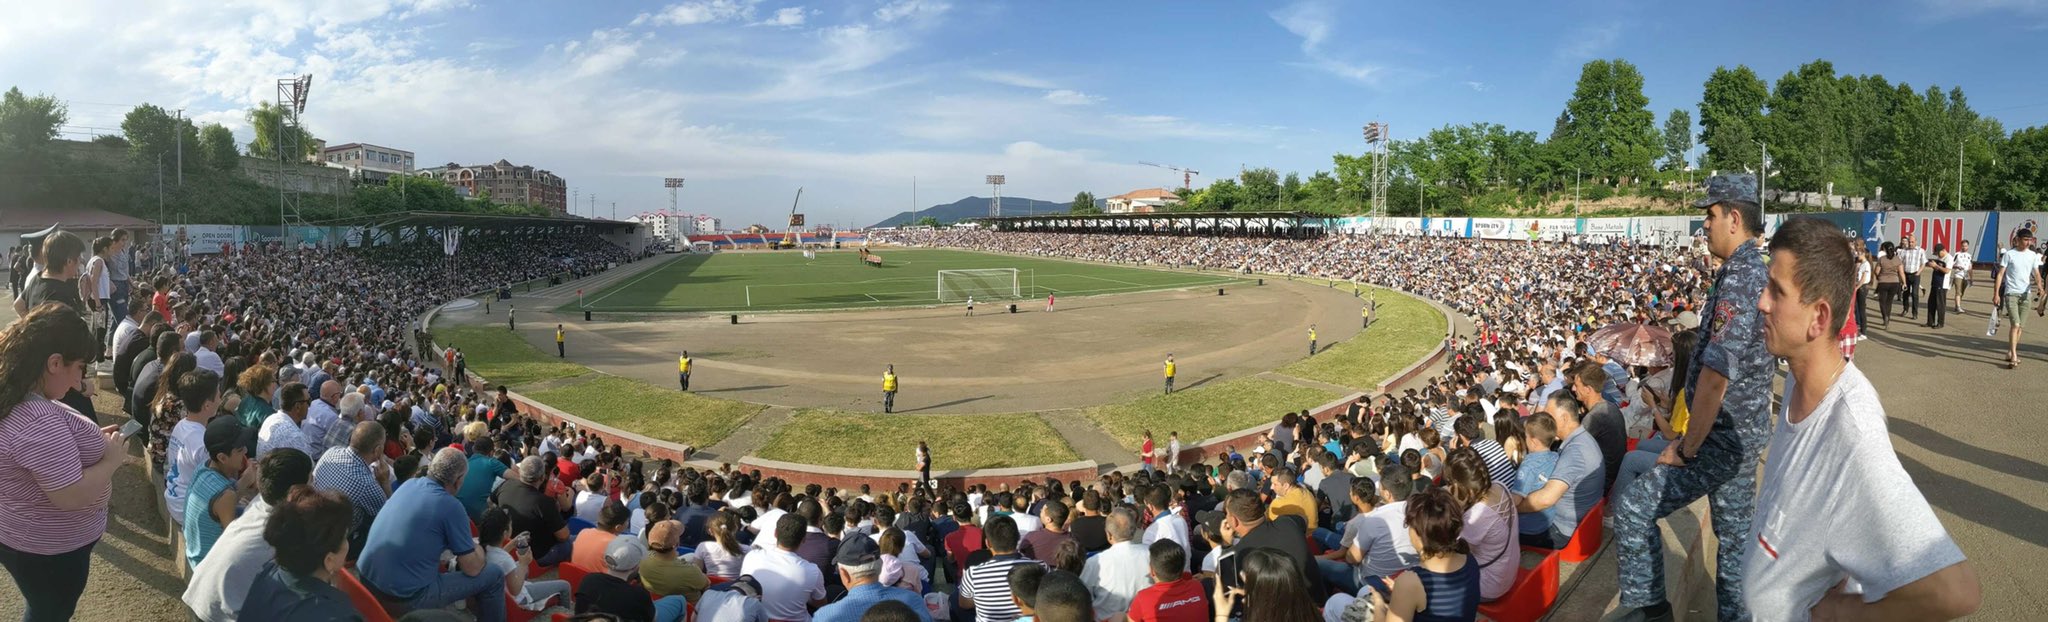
{"x": 857, "y": 551}
{"x": 224, "y": 433}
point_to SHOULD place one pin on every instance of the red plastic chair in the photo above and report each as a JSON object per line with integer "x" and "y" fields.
{"x": 1532, "y": 594}
{"x": 365, "y": 602}
{"x": 516, "y": 613}
{"x": 572, "y": 573}
{"x": 1586, "y": 540}
{"x": 1632, "y": 443}
{"x": 718, "y": 580}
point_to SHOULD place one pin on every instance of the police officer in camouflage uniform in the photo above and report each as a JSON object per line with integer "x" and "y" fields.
{"x": 1730, "y": 391}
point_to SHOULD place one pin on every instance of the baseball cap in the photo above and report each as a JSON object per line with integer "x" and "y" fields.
{"x": 225, "y": 433}
{"x": 857, "y": 551}
{"x": 664, "y": 535}
{"x": 624, "y": 554}
{"x": 1728, "y": 187}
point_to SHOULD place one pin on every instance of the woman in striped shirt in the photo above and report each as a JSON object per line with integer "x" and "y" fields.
{"x": 56, "y": 466}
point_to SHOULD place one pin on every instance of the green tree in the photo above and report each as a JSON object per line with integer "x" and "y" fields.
{"x": 1084, "y": 203}
{"x": 217, "y": 147}
{"x": 28, "y": 124}
{"x": 1262, "y": 189}
{"x": 1731, "y": 118}
{"x": 1677, "y": 139}
{"x": 2022, "y": 181}
{"x": 1632, "y": 141}
{"x": 153, "y": 132}
{"x": 264, "y": 120}
{"x": 1809, "y": 143}
{"x": 927, "y": 221}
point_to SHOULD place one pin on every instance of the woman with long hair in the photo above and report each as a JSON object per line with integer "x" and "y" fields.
{"x": 1444, "y": 585}
{"x": 165, "y": 409}
{"x": 1271, "y": 587}
{"x": 1489, "y": 520}
{"x": 722, "y": 556}
{"x": 47, "y": 534}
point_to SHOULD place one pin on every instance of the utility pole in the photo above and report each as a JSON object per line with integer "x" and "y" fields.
{"x": 1764, "y": 177}
{"x": 1578, "y": 183}
{"x": 159, "y": 189}
{"x": 179, "y": 128}
{"x": 1959, "y": 175}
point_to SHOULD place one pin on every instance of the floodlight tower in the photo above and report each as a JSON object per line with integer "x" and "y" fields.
{"x": 291, "y": 102}
{"x": 672, "y": 184}
{"x": 995, "y": 182}
{"x": 1376, "y": 148}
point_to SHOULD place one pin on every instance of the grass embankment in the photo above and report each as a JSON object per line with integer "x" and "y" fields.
{"x": 1404, "y": 330}
{"x": 879, "y": 441}
{"x": 623, "y": 403}
{"x": 1204, "y": 412}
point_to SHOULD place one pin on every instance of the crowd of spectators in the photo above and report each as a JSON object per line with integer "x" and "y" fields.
{"x": 374, "y": 476}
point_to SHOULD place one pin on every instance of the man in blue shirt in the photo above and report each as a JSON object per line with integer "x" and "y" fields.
{"x": 860, "y": 569}
{"x": 1577, "y": 483}
{"x": 402, "y": 558}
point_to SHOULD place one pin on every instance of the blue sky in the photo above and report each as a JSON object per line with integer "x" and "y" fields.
{"x": 749, "y": 99}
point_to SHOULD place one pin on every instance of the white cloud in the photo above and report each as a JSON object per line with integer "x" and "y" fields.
{"x": 700, "y": 12}
{"x": 1476, "y": 85}
{"x": 1013, "y": 79}
{"x": 784, "y": 17}
{"x": 911, "y": 9}
{"x": 1589, "y": 42}
{"x": 1066, "y": 97}
{"x": 607, "y": 52}
{"x": 1310, "y": 20}
{"x": 1952, "y": 9}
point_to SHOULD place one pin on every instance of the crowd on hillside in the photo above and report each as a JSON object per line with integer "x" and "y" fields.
{"x": 317, "y": 466}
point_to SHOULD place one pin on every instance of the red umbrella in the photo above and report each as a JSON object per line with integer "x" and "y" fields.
{"x": 1633, "y": 344}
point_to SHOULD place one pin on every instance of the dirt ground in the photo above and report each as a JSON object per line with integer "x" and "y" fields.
{"x": 1090, "y": 351}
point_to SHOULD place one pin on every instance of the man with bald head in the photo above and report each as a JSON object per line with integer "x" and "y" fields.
{"x": 401, "y": 561}
{"x": 322, "y": 416}
{"x": 360, "y": 472}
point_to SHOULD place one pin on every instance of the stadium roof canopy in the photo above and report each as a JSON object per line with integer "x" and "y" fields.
{"x": 464, "y": 219}
{"x": 1279, "y": 224}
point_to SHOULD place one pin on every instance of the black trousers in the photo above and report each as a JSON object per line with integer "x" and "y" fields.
{"x": 888, "y": 401}
{"x": 685, "y": 377}
{"x": 1937, "y": 306}
{"x": 1862, "y": 318}
{"x": 50, "y": 584}
{"x": 1885, "y": 293}
{"x": 1912, "y": 308}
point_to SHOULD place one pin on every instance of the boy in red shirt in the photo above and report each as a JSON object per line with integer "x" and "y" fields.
{"x": 1175, "y": 596}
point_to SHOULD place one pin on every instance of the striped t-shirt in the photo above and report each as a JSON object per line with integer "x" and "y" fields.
{"x": 988, "y": 585}
{"x": 1498, "y": 467}
{"x": 44, "y": 446}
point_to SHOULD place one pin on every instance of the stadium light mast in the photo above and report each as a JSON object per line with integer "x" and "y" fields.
{"x": 995, "y": 182}
{"x": 672, "y": 184}
{"x": 291, "y": 101}
{"x": 1376, "y": 148}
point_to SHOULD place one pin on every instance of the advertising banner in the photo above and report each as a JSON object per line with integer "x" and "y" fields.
{"x": 1405, "y": 226}
{"x": 204, "y": 239}
{"x": 1665, "y": 230}
{"x": 1449, "y": 227}
{"x": 1493, "y": 228}
{"x": 1557, "y": 229}
{"x": 1607, "y": 228}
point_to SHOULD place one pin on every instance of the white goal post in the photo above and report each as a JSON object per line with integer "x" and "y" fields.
{"x": 984, "y": 284}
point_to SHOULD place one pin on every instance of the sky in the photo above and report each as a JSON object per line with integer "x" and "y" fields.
{"x": 858, "y": 101}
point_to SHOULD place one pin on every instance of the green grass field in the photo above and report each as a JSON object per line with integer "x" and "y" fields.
{"x": 878, "y": 441}
{"x": 1203, "y": 412}
{"x": 779, "y": 281}
{"x": 1405, "y": 330}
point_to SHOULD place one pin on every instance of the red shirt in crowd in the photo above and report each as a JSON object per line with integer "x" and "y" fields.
{"x": 1178, "y": 601}
{"x": 567, "y": 471}
{"x": 1146, "y": 453}
{"x": 961, "y": 543}
{"x": 161, "y": 300}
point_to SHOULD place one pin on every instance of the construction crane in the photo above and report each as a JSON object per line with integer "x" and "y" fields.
{"x": 1186, "y": 175}
{"x": 796, "y": 222}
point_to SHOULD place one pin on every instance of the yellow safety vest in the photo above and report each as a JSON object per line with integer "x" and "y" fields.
{"x": 683, "y": 364}
{"x": 1169, "y": 369}
{"x": 558, "y": 335}
{"x": 1311, "y": 334}
{"x": 888, "y": 382}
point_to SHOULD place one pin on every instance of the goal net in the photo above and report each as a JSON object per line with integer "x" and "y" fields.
{"x": 985, "y": 284}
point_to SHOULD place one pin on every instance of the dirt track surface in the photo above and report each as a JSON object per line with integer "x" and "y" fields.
{"x": 1090, "y": 351}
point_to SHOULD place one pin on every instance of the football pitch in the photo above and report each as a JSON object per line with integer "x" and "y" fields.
{"x": 786, "y": 280}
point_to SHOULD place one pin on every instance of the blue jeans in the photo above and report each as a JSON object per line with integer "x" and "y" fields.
{"x": 1330, "y": 540}
{"x": 485, "y": 593}
{"x": 1338, "y": 575}
{"x": 670, "y": 608}
{"x": 1638, "y": 462}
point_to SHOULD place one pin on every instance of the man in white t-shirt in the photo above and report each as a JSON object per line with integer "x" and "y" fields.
{"x": 2019, "y": 275}
{"x": 1959, "y": 264}
{"x": 1840, "y": 530}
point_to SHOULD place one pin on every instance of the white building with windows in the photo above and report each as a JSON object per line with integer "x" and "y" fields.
{"x": 367, "y": 161}
{"x": 705, "y": 225}
{"x": 1143, "y": 201}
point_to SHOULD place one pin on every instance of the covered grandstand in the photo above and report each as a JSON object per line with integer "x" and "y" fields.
{"x": 1295, "y": 225}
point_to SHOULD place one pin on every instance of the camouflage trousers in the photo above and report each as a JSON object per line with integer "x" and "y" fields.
{"x": 1723, "y": 473}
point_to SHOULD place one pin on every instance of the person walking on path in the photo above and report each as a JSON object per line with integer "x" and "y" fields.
{"x": 2018, "y": 276}
{"x": 889, "y": 389}
{"x": 683, "y": 369}
{"x": 1311, "y": 340}
{"x": 1730, "y": 389}
{"x": 561, "y": 346}
{"x": 1169, "y": 372}
{"x": 1048, "y": 303}
{"x": 1913, "y": 258}
{"x": 1835, "y": 502}
{"x": 1959, "y": 265}
{"x": 511, "y": 310}
{"x": 1939, "y": 277}
{"x": 1891, "y": 272}
{"x": 924, "y": 465}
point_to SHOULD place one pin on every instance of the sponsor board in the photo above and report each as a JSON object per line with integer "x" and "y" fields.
{"x": 204, "y": 239}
